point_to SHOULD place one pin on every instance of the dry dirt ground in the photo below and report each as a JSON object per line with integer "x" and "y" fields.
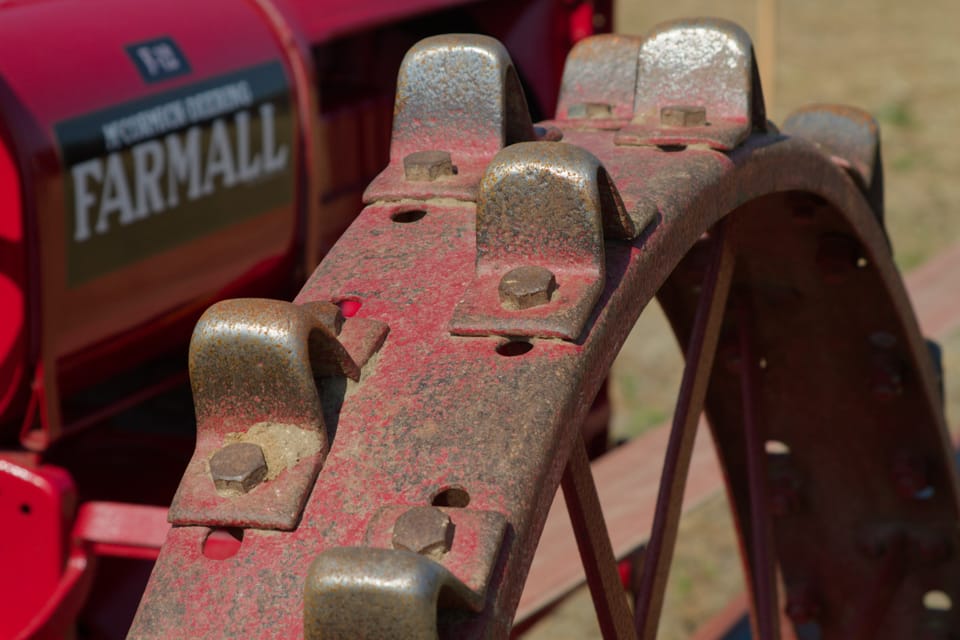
{"x": 899, "y": 61}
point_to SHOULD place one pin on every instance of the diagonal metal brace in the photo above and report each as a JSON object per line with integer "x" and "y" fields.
{"x": 252, "y": 368}
{"x": 543, "y": 207}
{"x": 697, "y": 83}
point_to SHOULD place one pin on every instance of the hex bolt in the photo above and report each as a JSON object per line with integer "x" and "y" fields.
{"x": 526, "y": 287}
{"x": 424, "y": 530}
{"x": 589, "y": 111}
{"x": 427, "y": 166}
{"x": 238, "y": 467}
{"x": 682, "y": 115}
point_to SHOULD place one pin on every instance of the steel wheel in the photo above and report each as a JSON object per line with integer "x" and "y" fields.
{"x": 494, "y": 274}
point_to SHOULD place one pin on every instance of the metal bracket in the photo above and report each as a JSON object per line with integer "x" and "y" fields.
{"x": 459, "y": 101}
{"x": 851, "y": 137}
{"x": 542, "y": 214}
{"x": 697, "y": 83}
{"x": 252, "y": 368}
{"x": 599, "y": 83}
{"x": 358, "y": 593}
{"x": 475, "y": 546}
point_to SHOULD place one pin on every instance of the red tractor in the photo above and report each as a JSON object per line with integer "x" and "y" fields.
{"x": 156, "y": 157}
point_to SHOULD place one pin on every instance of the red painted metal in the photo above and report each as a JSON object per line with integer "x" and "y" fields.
{"x": 13, "y": 320}
{"x": 123, "y": 530}
{"x": 487, "y": 424}
{"x": 57, "y": 340}
{"x": 43, "y": 573}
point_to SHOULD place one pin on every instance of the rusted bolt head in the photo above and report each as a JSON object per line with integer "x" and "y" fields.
{"x": 424, "y": 530}
{"x": 681, "y": 115}
{"x": 526, "y": 287}
{"x": 425, "y": 166}
{"x": 238, "y": 467}
{"x": 589, "y": 110}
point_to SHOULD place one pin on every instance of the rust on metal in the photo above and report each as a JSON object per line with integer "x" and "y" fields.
{"x": 589, "y": 110}
{"x": 599, "y": 81}
{"x": 367, "y": 594}
{"x": 542, "y": 205}
{"x": 471, "y": 558}
{"x": 683, "y": 116}
{"x": 252, "y": 368}
{"x": 525, "y": 287}
{"x": 461, "y": 89}
{"x": 708, "y": 63}
{"x": 851, "y": 139}
{"x": 424, "y": 530}
{"x": 238, "y": 467}
{"x": 427, "y": 166}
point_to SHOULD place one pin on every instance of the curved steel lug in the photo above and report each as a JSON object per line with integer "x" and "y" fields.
{"x": 851, "y": 137}
{"x": 545, "y": 205}
{"x": 599, "y": 82}
{"x": 468, "y": 115}
{"x": 359, "y": 593}
{"x": 697, "y": 83}
{"x": 252, "y": 368}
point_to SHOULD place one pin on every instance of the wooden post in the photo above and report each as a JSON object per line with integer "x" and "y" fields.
{"x": 766, "y": 49}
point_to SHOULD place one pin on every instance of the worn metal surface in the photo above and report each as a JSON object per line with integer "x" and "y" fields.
{"x": 599, "y": 82}
{"x": 252, "y": 367}
{"x": 238, "y": 467}
{"x": 440, "y": 419}
{"x": 457, "y": 95}
{"x": 707, "y": 64}
{"x": 546, "y": 205}
{"x": 851, "y": 137}
{"x": 368, "y": 594}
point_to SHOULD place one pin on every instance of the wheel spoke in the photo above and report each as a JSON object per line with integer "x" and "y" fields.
{"x": 693, "y": 388}
{"x": 761, "y": 563}
{"x": 593, "y": 542}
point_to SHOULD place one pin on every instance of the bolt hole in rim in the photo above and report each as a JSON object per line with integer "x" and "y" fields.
{"x": 349, "y": 306}
{"x": 407, "y": 216}
{"x": 514, "y": 348}
{"x": 936, "y": 600}
{"x": 453, "y": 496}
{"x": 222, "y": 543}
